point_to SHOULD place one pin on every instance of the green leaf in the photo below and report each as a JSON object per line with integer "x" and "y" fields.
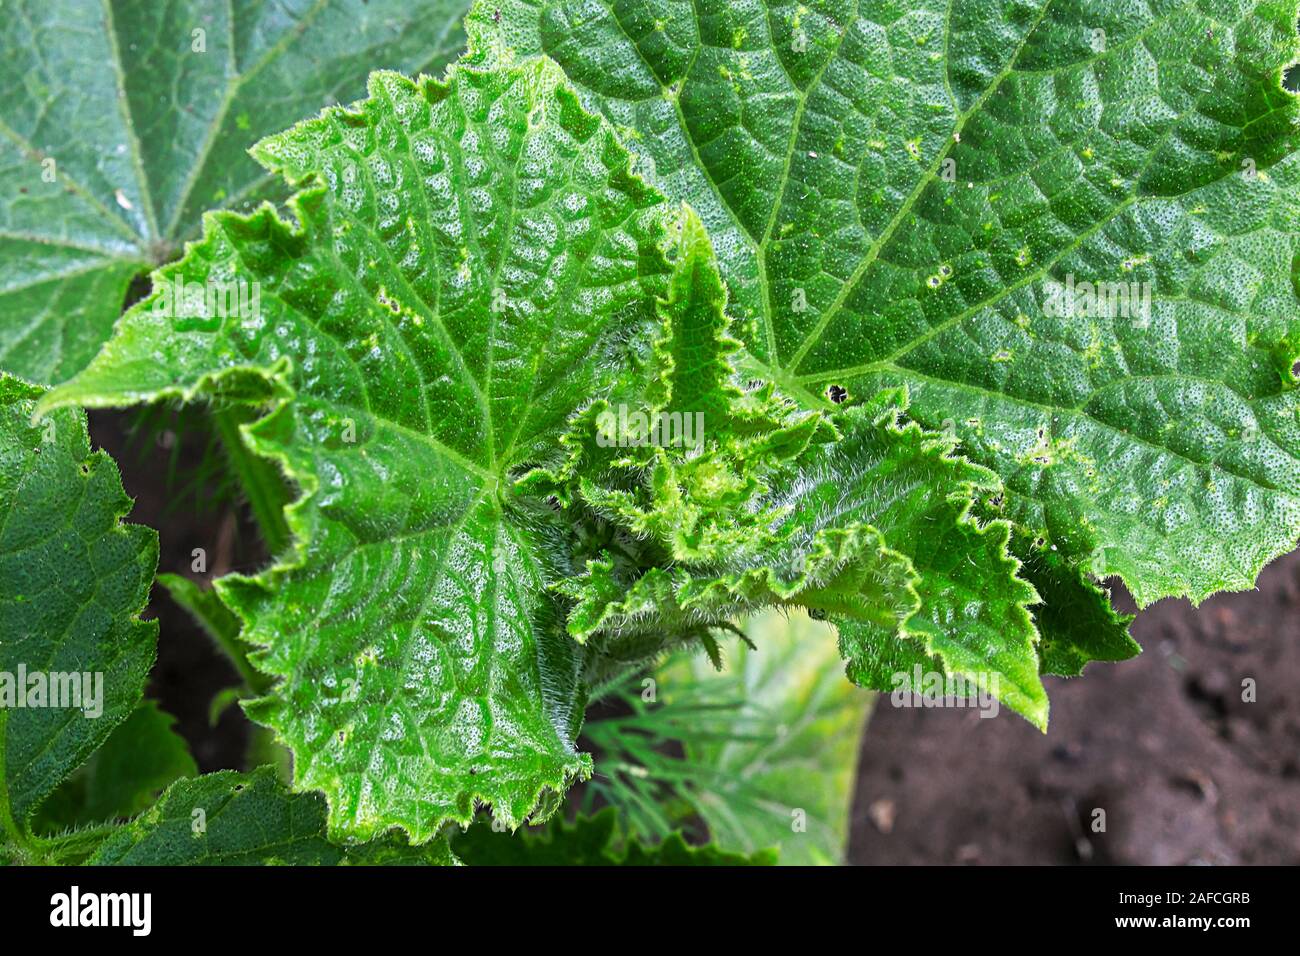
{"x": 1076, "y": 620}
{"x": 234, "y": 819}
{"x": 899, "y": 195}
{"x": 785, "y": 770}
{"x": 589, "y": 841}
{"x": 141, "y": 758}
{"x": 120, "y": 124}
{"x": 73, "y": 581}
{"x": 970, "y": 615}
{"x": 873, "y": 530}
{"x": 971, "y": 605}
{"x": 471, "y": 262}
{"x": 763, "y": 751}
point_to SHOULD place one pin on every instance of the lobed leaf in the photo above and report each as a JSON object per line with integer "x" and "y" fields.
{"x": 471, "y": 262}
{"x": 121, "y": 122}
{"x": 899, "y": 195}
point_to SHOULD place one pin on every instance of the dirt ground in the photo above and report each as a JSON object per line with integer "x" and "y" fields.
{"x": 1185, "y": 771}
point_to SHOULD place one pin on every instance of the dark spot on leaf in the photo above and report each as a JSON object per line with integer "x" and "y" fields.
{"x": 837, "y": 394}
{"x": 817, "y": 614}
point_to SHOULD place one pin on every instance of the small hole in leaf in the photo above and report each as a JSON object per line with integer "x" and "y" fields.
{"x": 837, "y": 394}
{"x": 817, "y": 614}
{"x": 85, "y": 469}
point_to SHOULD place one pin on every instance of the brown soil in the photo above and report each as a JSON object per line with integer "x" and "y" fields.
{"x": 1185, "y": 770}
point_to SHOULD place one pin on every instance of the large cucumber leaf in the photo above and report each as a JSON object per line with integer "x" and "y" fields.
{"x": 472, "y": 261}
{"x": 899, "y": 193}
{"x": 121, "y": 122}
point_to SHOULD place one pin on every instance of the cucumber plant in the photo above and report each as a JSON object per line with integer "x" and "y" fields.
{"x": 638, "y": 322}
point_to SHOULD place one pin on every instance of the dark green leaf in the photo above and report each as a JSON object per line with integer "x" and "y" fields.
{"x": 122, "y": 122}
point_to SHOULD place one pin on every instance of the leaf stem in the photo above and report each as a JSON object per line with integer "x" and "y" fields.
{"x": 220, "y": 625}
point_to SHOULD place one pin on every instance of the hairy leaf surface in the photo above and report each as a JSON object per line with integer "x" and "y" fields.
{"x": 73, "y": 581}
{"x": 858, "y": 515}
{"x": 121, "y": 122}
{"x": 140, "y": 759}
{"x": 900, "y": 193}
